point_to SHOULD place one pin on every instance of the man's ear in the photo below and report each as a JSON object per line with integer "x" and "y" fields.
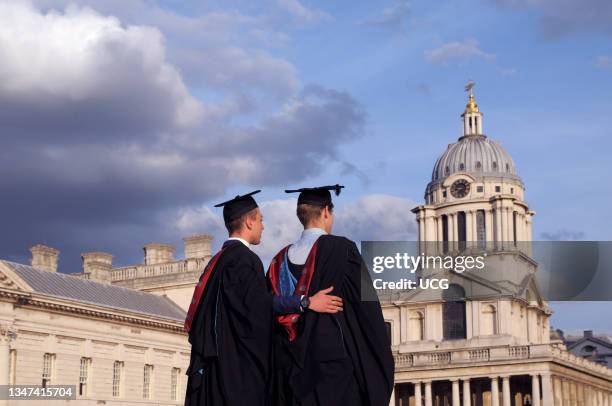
{"x": 248, "y": 222}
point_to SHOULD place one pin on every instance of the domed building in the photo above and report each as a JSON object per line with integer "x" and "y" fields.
{"x": 484, "y": 341}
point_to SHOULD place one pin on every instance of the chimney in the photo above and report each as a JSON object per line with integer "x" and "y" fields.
{"x": 158, "y": 253}
{"x": 44, "y": 257}
{"x": 588, "y": 333}
{"x": 98, "y": 265}
{"x": 197, "y": 246}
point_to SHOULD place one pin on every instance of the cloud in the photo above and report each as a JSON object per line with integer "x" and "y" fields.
{"x": 371, "y": 217}
{"x": 604, "y": 62}
{"x": 87, "y": 63}
{"x": 104, "y": 143}
{"x": 562, "y": 235}
{"x": 561, "y": 17}
{"x": 464, "y": 52}
{"x": 302, "y": 13}
{"x": 393, "y": 18}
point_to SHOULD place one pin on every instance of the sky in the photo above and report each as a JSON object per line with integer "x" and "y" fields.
{"x": 124, "y": 121}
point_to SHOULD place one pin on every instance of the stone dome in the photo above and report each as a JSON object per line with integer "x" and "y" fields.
{"x": 477, "y": 155}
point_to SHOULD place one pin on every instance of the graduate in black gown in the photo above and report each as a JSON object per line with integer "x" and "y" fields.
{"x": 229, "y": 320}
{"x": 341, "y": 359}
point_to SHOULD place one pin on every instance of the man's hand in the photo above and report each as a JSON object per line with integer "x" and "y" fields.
{"x": 323, "y": 302}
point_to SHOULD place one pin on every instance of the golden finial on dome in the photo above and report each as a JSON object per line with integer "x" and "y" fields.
{"x": 471, "y": 106}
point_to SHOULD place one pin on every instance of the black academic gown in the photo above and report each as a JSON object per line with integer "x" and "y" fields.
{"x": 341, "y": 359}
{"x": 231, "y": 334}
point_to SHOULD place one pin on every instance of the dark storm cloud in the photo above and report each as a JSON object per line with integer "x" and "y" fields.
{"x": 102, "y": 143}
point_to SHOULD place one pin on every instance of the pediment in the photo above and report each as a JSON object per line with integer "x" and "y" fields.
{"x": 10, "y": 281}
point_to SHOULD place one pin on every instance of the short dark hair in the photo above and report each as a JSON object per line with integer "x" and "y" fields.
{"x": 306, "y": 213}
{"x": 236, "y": 224}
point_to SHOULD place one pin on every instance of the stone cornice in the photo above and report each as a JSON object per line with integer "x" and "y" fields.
{"x": 71, "y": 308}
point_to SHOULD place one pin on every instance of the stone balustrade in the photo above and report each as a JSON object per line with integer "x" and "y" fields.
{"x": 454, "y": 357}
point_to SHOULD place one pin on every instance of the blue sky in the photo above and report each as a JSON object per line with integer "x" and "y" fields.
{"x": 140, "y": 115}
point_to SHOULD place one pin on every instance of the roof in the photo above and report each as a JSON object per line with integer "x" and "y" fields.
{"x": 91, "y": 292}
{"x": 477, "y": 155}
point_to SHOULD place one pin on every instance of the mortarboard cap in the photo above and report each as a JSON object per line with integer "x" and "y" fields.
{"x": 317, "y": 196}
{"x": 239, "y": 205}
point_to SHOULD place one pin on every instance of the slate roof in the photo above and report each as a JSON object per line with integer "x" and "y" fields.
{"x": 87, "y": 291}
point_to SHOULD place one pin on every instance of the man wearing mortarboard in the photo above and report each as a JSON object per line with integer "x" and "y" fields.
{"x": 328, "y": 359}
{"x": 229, "y": 320}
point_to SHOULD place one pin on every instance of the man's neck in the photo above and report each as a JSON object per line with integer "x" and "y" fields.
{"x": 241, "y": 237}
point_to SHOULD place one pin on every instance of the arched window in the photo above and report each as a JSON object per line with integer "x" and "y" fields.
{"x": 416, "y": 326}
{"x": 453, "y": 313}
{"x": 478, "y": 165}
{"x": 494, "y": 164}
{"x": 588, "y": 349}
{"x": 447, "y": 170}
{"x": 461, "y": 166}
{"x": 488, "y": 320}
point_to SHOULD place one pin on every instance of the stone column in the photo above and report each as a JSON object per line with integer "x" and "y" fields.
{"x": 469, "y": 214}
{"x": 573, "y": 394}
{"x": 566, "y": 392}
{"x": 581, "y": 401}
{"x": 7, "y": 333}
{"x": 599, "y": 398}
{"x": 535, "y": 390}
{"x": 547, "y": 390}
{"x": 506, "y": 391}
{"x": 440, "y": 235}
{"x": 467, "y": 395}
{"x": 495, "y": 391}
{"x": 418, "y": 399}
{"x": 456, "y": 398}
{"x": 489, "y": 227}
{"x": 558, "y": 392}
{"x": 428, "y": 397}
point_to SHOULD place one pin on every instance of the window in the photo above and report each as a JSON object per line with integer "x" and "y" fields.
{"x": 447, "y": 170}
{"x": 479, "y": 189}
{"x": 588, "y": 349}
{"x": 481, "y": 229}
{"x": 445, "y": 233}
{"x": 146, "y": 387}
{"x": 461, "y": 166}
{"x": 507, "y": 167}
{"x": 48, "y": 366}
{"x": 497, "y": 189}
{"x": 462, "y": 230}
{"x": 13, "y": 367}
{"x": 174, "y": 384}
{"x": 478, "y": 165}
{"x": 511, "y": 190}
{"x": 489, "y": 320}
{"x": 416, "y": 326}
{"x": 84, "y": 377}
{"x": 388, "y": 326}
{"x": 117, "y": 372}
{"x": 444, "y": 193}
{"x": 453, "y": 313}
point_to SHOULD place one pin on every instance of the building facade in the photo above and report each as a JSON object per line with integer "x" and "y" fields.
{"x": 116, "y": 334}
{"x": 486, "y": 339}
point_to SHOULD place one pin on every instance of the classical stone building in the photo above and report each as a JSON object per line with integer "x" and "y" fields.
{"x": 486, "y": 339}
{"x": 115, "y": 333}
{"x": 597, "y": 348}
